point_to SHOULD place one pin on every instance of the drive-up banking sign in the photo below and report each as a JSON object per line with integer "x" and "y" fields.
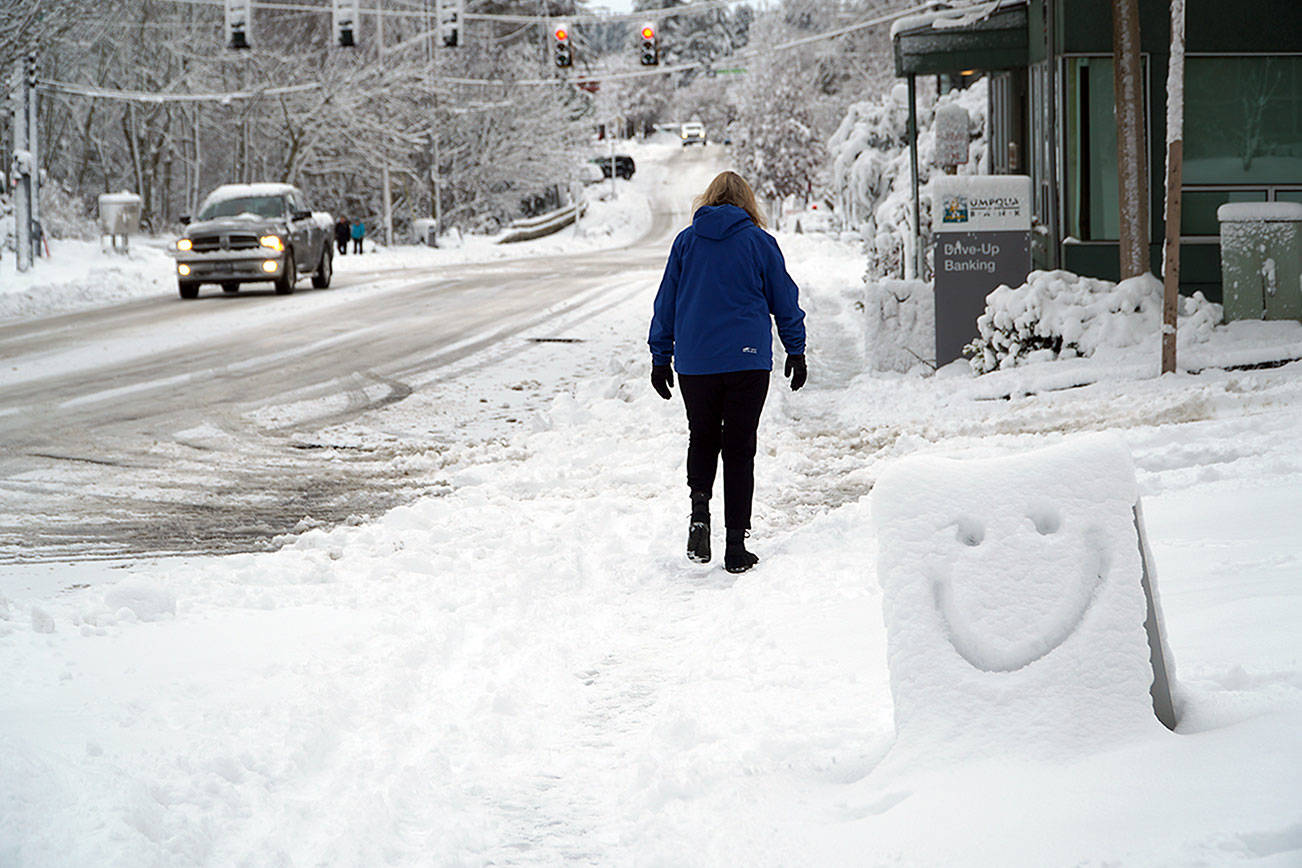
{"x": 982, "y": 228}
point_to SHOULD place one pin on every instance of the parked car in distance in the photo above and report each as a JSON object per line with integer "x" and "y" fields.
{"x": 624, "y": 166}
{"x": 692, "y": 133}
{"x": 246, "y": 233}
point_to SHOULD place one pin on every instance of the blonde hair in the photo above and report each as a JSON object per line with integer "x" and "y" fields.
{"x": 729, "y": 188}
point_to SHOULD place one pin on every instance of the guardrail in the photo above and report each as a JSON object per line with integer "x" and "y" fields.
{"x": 543, "y": 224}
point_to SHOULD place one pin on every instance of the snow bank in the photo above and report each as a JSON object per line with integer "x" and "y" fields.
{"x": 1057, "y": 314}
{"x": 1013, "y": 602}
{"x": 79, "y": 274}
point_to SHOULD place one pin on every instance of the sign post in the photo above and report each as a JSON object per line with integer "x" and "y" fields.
{"x": 982, "y": 228}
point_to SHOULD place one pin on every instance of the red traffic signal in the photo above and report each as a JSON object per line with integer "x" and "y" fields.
{"x": 650, "y": 49}
{"x": 562, "y": 53}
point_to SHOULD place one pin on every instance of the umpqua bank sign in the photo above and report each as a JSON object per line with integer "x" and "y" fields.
{"x": 982, "y": 228}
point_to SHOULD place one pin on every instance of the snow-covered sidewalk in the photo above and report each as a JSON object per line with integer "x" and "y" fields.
{"x": 526, "y": 670}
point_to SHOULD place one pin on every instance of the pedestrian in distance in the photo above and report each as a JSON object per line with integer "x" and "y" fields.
{"x": 724, "y": 286}
{"x": 359, "y": 232}
{"x": 343, "y": 231}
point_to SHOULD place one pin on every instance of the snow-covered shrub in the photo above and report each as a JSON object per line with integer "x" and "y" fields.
{"x": 870, "y": 168}
{"x": 900, "y": 324}
{"x": 1058, "y": 314}
{"x": 65, "y": 215}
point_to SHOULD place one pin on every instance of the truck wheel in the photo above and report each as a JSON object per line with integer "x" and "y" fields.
{"x": 231, "y": 287}
{"x": 188, "y": 289}
{"x": 285, "y": 283}
{"x": 324, "y": 271}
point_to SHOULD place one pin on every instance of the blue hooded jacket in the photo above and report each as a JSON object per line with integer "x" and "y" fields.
{"x": 724, "y": 280}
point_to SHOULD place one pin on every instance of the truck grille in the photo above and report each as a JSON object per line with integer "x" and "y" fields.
{"x": 233, "y": 241}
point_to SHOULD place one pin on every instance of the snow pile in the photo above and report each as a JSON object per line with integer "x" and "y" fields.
{"x": 1057, "y": 314}
{"x": 79, "y": 274}
{"x": 870, "y": 168}
{"x": 1013, "y": 602}
{"x": 900, "y": 321}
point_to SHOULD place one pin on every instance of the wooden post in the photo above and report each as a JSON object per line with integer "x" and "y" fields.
{"x": 1174, "y": 175}
{"x": 1132, "y": 160}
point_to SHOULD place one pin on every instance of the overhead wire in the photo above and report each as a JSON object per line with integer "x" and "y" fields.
{"x": 581, "y": 79}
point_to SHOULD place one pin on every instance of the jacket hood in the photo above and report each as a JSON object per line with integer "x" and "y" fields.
{"x": 719, "y": 221}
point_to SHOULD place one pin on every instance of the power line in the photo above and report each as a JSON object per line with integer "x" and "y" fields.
{"x": 745, "y": 54}
{"x": 588, "y": 78}
{"x": 71, "y": 89}
{"x": 666, "y": 12}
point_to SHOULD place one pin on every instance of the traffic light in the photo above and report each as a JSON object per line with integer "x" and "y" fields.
{"x": 239, "y": 23}
{"x": 563, "y": 51}
{"x": 346, "y": 18}
{"x": 449, "y": 12}
{"x": 650, "y": 50}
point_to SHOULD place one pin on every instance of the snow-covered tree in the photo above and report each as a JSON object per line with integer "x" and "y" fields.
{"x": 778, "y": 147}
{"x": 498, "y": 145}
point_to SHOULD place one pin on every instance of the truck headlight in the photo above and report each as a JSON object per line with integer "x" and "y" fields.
{"x": 272, "y": 241}
{"x": 184, "y": 244}
{"x": 183, "y": 270}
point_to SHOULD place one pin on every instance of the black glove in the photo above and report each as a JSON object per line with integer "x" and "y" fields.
{"x": 662, "y": 377}
{"x": 795, "y": 369}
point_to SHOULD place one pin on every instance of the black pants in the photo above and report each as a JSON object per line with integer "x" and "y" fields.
{"x": 357, "y": 245}
{"x": 723, "y": 411}
{"x": 342, "y": 244}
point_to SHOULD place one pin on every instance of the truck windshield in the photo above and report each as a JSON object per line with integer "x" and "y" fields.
{"x": 262, "y": 206}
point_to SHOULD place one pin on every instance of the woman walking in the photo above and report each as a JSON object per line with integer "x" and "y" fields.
{"x": 723, "y": 287}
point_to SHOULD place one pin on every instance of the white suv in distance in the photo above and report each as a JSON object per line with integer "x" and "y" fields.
{"x": 693, "y": 133}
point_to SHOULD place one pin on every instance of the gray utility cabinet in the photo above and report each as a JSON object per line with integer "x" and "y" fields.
{"x": 1261, "y": 259}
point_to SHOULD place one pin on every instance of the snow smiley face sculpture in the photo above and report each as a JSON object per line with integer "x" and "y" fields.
{"x": 1018, "y": 586}
{"x": 1016, "y": 598}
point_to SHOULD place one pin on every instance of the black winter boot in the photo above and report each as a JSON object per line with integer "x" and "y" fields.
{"x": 698, "y": 531}
{"x": 735, "y": 557}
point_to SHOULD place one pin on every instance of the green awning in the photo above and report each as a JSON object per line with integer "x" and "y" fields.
{"x": 941, "y": 43}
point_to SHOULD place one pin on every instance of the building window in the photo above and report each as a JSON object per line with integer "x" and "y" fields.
{"x": 1242, "y": 135}
{"x": 1243, "y": 120}
{"x": 1093, "y": 210}
{"x": 1040, "y": 150}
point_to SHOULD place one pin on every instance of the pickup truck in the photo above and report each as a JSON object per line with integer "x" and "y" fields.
{"x": 693, "y": 133}
{"x": 254, "y": 232}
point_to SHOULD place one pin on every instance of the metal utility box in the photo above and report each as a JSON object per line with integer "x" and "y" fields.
{"x": 1261, "y": 260}
{"x": 426, "y": 231}
{"x": 119, "y": 213}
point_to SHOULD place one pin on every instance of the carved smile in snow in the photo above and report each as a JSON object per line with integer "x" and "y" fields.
{"x": 1005, "y": 611}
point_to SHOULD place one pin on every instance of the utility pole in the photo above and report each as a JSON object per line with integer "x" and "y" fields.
{"x": 434, "y": 125}
{"x": 34, "y": 147}
{"x": 24, "y": 173}
{"x": 384, "y": 162}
